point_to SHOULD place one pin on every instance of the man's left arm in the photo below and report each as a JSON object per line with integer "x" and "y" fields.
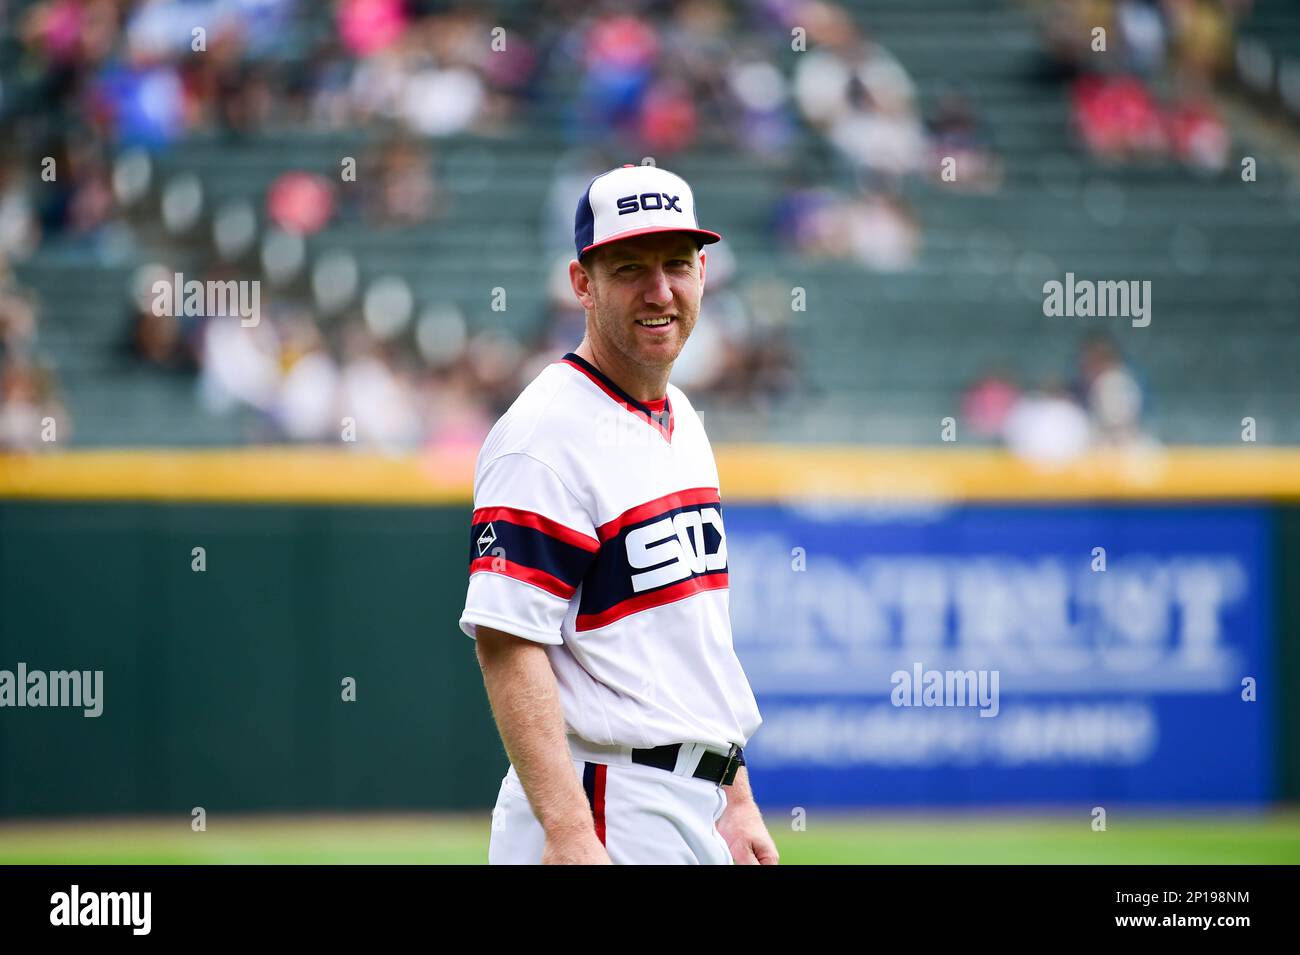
{"x": 742, "y": 826}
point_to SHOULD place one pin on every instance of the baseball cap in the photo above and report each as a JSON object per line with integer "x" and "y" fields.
{"x": 635, "y": 200}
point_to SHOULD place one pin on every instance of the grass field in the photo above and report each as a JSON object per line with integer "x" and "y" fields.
{"x": 1272, "y": 838}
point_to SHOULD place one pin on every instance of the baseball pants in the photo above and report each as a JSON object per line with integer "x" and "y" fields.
{"x": 642, "y": 815}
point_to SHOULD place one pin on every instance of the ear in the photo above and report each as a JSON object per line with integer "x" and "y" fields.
{"x": 580, "y": 280}
{"x": 704, "y": 260}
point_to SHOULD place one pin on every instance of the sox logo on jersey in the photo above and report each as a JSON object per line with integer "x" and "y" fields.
{"x": 667, "y": 550}
{"x": 656, "y": 553}
{"x": 676, "y": 547}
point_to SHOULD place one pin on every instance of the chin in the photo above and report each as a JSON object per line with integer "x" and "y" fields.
{"x": 660, "y": 354}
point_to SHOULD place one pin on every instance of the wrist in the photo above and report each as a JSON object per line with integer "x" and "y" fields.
{"x": 740, "y": 802}
{"x": 568, "y": 826}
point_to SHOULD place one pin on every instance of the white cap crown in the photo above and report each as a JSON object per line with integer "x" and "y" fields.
{"x": 635, "y": 200}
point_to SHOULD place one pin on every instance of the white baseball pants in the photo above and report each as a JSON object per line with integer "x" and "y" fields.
{"x": 642, "y": 815}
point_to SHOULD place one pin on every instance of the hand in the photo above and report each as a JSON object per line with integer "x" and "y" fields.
{"x": 742, "y": 827}
{"x": 574, "y": 847}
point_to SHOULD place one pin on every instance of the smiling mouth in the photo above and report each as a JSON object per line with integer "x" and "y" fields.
{"x": 656, "y": 322}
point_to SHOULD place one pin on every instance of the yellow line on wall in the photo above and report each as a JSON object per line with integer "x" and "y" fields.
{"x": 322, "y": 475}
{"x": 992, "y": 474}
{"x": 748, "y": 472}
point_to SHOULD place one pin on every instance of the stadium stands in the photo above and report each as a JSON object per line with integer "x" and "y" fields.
{"x": 882, "y": 355}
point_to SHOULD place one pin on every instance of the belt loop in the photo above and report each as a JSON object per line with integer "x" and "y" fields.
{"x": 587, "y": 752}
{"x": 688, "y": 757}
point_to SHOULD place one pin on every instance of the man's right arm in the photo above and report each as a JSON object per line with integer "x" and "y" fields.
{"x": 525, "y": 702}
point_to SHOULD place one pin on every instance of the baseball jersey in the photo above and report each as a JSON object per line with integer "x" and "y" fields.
{"x": 597, "y": 530}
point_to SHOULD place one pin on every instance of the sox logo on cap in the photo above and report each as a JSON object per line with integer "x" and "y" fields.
{"x": 635, "y": 200}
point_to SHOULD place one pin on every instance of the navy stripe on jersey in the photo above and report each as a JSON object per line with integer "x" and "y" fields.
{"x": 531, "y": 548}
{"x": 594, "y": 776}
{"x": 660, "y": 552}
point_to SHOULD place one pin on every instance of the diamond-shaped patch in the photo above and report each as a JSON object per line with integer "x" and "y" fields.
{"x": 486, "y": 539}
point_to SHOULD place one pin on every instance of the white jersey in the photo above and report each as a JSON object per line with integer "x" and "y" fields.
{"x": 597, "y": 530}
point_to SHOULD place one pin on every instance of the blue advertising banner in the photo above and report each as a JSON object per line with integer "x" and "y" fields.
{"x": 1020, "y": 654}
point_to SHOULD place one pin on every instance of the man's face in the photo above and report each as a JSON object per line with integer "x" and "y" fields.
{"x": 641, "y": 280}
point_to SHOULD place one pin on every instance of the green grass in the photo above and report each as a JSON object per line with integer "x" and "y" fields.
{"x": 828, "y": 839}
{"x": 1047, "y": 840}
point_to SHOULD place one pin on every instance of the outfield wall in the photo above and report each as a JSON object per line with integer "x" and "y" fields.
{"x": 222, "y": 688}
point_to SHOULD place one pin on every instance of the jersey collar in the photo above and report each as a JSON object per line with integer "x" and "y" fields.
{"x": 663, "y": 423}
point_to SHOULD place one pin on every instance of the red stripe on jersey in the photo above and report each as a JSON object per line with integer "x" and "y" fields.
{"x": 628, "y": 407}
{"x": 598, "y": 802}
{"x": 529, "y": 575}
{"x": 643, "y": 512}
{"x": 513, "y": 515}
{"x": 655, "y": 598}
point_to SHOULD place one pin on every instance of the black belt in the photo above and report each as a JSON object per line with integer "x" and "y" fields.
{"x": 714, "y": 767}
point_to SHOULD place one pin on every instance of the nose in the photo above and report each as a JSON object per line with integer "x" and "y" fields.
{"x": 658, "y": 291}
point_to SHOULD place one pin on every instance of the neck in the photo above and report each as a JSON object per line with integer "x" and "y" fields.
{"x": 642, "y": 383}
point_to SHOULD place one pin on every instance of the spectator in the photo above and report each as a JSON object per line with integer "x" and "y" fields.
{"x": 19, "y": 229}
{"x": 621, "y": 51}
{"x": 458, "y": 420}
{"x": 877, "y": 230}
{"x": 986, "y": 404}
{"x": 300, "y": 202}
{"x": 761, "y": 119}
{"x": 1202, "y": 33}
{"x": 307, "y": 404}
{"x": 29, "y": 396}
{"x": 1142, "y": 34}
{"x": 1110, "y": 393}
{"x": 883, "y": 232}
{"x": 370, "y": 26}
{"x": 1118, "y": 118}
{"x": 405, "y": 192}
{"x": 30, "y": 409}
{"x": 862, "y": 99}
{"x": 1198, "y": 135}
{"x": 1047, "y": 426}
{"x": 955, "y": 134}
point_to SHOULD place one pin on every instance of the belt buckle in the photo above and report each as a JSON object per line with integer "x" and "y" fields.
{"x": 732, "y": 767}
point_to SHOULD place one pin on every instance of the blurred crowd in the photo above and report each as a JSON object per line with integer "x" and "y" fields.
{"x": 1140, "y": 75}
{"x": 1056, "y": 420}
{"x": 96, "y": 87}
{"x": 30, "y": 404}
{"x": 90, "y": 90}
{"x": 305, "y": 382}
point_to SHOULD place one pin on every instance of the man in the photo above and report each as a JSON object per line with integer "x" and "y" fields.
{"x": 598, "y": 571}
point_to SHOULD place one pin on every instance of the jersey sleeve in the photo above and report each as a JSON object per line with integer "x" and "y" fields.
{"x": 531, "y": 542}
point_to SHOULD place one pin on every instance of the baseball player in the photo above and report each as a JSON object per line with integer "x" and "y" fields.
{"x": 598, "y": 570}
